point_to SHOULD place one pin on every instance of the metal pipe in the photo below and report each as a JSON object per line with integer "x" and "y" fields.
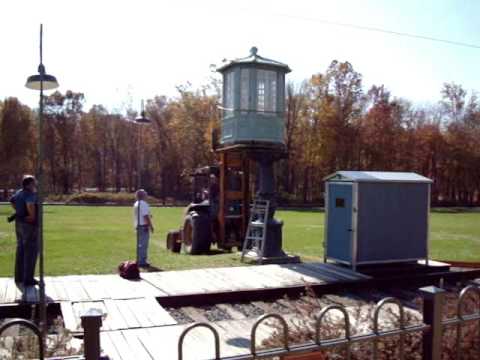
{"x": 253, "y": 333}
{"x": 463, "y": 294}
{"x": 193, "y": 326}
{"x": 346, "y": 319}
{"x": 378, "y": 307}
{"x": 43, "y": 307}
{"x": 325, "y": 344}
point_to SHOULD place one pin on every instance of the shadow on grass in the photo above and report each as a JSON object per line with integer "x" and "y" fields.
{"x": 213, "y": 252}
{"x": 152, "y": 268}
{"x": 455, "y": 210}
{"x": 302, "y": 209}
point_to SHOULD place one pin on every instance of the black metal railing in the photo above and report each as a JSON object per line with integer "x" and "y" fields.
{"x": 432, "y": 329}
{"x": 460, "y": 319}
{"x": 30, "y": 325}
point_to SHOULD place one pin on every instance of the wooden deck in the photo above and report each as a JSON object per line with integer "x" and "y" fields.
{"x": 90, "y": 288}
{"x": 137, "y": 326}
{"x": 161, "y": 342}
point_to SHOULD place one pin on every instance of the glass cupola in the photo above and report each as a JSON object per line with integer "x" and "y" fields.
{"x": 253, "y": 101}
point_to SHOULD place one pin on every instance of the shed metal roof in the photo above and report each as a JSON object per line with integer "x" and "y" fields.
{"x": 377, "y": 176}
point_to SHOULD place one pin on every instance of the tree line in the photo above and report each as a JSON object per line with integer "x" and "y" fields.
{"x": 332, "y": 123}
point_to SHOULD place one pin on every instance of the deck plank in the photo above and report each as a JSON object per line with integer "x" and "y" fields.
{"x": 123, "y": 348}
{"x": 131, "y": 337}
{"x": 347, "y": 271}
{"x": 79, "y": 290}
{"x": 127, "y": 314}
{"x": 141, "y": 313}
{"x": 316, "y": 275}
{"x": 108, "y": 347}
{"x": 10, "y": 292}
{"x": 238, "y": 278}
{"x": 59, "y": 290}
{"x": 162, "y": 342}
{"x": 69, "y": 318}
{"x": 257, "y": 278}
{"x": 156, "y": 314}
{"x": 169, "y": 286}
{"x": 279, "y": 276}
{"x": 50, "y": 290}
{"x": 116, "y": 319}
{"x": 92, "y": 287}
{"x": 3, "y": 289}
{"x": 340, "y": 273}
{"x": 121, "y": 314}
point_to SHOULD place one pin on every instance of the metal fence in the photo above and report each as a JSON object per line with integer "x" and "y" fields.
{"x": 29, "y": 325}
{"x": 432, "y": 329}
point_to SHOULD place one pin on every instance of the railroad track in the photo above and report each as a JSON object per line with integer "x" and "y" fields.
{"x": 287, "y": 301}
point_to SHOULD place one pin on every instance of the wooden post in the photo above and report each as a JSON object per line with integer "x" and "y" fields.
{"x": 432, "y": 315}
{"x": 91, "y": 323}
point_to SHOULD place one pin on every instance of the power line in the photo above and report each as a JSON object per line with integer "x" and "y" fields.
{"x": 374, "y": 29}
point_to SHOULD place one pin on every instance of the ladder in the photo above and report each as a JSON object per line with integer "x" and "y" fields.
{"x": 254, "y": 244}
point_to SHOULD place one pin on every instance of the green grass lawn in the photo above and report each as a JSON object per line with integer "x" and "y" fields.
{"x": 86, "y": 240}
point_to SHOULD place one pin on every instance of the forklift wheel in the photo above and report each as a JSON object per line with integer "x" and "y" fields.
{"x": 196, "y": 233}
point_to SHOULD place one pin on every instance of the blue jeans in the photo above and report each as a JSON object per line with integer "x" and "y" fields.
{"x": 143, "y": 237}
{"x": 27, "y": 252}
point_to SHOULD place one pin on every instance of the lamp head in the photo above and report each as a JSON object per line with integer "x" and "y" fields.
{"x": 35, "y": 82}
{"x": 49, "y": 82}
{"x": 142, "y": 119}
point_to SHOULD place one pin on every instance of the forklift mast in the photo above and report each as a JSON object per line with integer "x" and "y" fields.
{"x": 234, "y": 198}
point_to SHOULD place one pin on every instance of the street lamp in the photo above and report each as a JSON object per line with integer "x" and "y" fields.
{"x": 41, "y": 81}
{"x": 142, "y": 119}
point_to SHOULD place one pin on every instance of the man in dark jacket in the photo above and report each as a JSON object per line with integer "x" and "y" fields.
{"x": 25, "y": 203}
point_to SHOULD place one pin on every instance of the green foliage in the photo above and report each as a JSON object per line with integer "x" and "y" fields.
{"x": 105, "y": 198}
{"x": 332, "y": 123}
{"x": 89, "y": 239}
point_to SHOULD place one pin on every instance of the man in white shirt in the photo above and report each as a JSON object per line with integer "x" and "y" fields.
{"x": 142, "y": 220}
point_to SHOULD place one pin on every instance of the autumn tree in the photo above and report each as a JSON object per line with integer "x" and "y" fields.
{"x": 331, "y": 124}
{"x": 17, "y": 142}
{"x": 62, "y": 116}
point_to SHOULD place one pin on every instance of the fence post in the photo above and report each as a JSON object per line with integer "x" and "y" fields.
{"x": 91, "y": 324}
{"x": 432, "y": 316}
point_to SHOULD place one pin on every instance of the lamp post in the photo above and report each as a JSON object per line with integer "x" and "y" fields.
{"x": 41, "y": 81}
{"x": 140, "y": 120}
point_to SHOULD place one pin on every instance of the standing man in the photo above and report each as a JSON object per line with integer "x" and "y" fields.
{"x": 143, "y": 225}
{"x": 25, "y": 203}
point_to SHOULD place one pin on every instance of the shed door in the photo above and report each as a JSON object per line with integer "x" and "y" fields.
{"x": 339, "y": 222}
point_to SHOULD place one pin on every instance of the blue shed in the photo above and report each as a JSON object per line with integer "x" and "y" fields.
{"x": 376, "y": 217}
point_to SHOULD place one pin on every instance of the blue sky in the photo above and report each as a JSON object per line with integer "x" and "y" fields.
{"x": 118, "y": 52}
